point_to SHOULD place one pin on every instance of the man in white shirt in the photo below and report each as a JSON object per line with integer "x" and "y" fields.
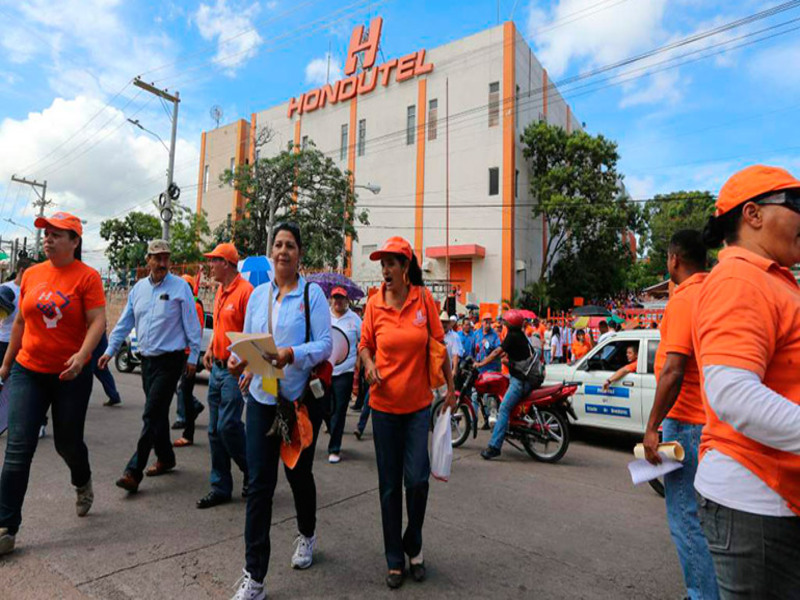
{"x": 451, "y": 341}
{"x": 605, "y": 332}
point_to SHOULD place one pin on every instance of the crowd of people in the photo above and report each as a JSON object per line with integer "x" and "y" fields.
{"x": 729, "y": 395}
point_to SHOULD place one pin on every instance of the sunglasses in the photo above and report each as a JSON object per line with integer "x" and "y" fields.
{"x": 789, "y": 199}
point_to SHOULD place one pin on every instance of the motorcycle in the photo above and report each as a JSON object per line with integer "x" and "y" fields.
{"x": 539, "y": 422}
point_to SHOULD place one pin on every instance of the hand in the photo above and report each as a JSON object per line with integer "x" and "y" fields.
{"x": 208, "y": 360}
{"x": 284, "y": 357}
{"x": 102, "y": 362}
{"x": 236, "y": 366}
{"x": 4, "y": 373}
{"x": 244, "y": 381}
{"x": 650, "y": 443}
{"x": 450, "y": 400}
{"x": 74, "y": 365}
{"x": 191, "y": 369}
{"x": 606, "y": 385}
{"x": 371, "y": 374}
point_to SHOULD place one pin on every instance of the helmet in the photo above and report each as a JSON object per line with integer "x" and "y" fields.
{"x": 514, "y": 318}
{"x": 7, "y": 297}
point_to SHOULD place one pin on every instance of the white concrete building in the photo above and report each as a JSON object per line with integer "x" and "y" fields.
{"x": 387, "y": 124}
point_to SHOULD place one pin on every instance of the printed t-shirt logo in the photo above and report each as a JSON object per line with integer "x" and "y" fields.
{"x": 51, "y": 305}
{"x": 419, "y": 320}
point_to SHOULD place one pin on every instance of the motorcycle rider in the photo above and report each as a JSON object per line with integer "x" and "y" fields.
{"x": 486, "y": 342}
{"x": 516, "y": 348}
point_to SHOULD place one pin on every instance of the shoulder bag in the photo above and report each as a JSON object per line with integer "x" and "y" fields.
{"x": 437, "y": 351}
{"x": 530, "y": 370}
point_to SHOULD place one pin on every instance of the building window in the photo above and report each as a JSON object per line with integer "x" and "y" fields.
{"x": 343, "y": 149}
{"x": 205, "y": 179}
{"x": 516, "y": 183}
{"x": 494, "y": 181}
{"x": 362, "y": 136}
{"x": 368, "y": 249}
{"x": 494, "y": 103}
{"x": 411, "y": 124}
{"x": 233, "y": 169}
{"x": 304, "y": 142}
{"x": 433, "y": 115}
{"x": 516, "y": 107}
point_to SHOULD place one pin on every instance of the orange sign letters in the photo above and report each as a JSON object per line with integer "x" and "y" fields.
{"x": 408, "y": 67}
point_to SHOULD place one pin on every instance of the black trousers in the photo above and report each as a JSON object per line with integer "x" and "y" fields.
{"x": 263, "y": 455}
{"x": 160, "y": 375}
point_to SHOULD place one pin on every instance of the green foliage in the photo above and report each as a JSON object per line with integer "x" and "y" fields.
{"x": 303, "y": 186}
{"x": 188, "y": 231}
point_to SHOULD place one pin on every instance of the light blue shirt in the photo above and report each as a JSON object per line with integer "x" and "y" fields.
{"x": 453, "y": 343}
{"x": 350, "y": 324}
{"x": 5, "y": 326}
{"x": 289, "y": 330}
{"x": 165, "y": 318}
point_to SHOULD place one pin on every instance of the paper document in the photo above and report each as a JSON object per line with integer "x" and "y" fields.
{"x": 672, "y": 450}
{"x": 254, "y": 347}
{"x": 642, "y": 471}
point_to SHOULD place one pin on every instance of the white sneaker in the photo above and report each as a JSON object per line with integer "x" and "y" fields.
{"x": 6, "y": 541}
{"x": 249, "y": 588}
{"x": 303, "y": 551}
{"x": 334, "y": 458}
{"x": 42, "y": 431}
{"x": 85, "y": 498}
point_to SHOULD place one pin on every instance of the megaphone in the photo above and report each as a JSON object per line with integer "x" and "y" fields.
{"x": 341, "y": 346}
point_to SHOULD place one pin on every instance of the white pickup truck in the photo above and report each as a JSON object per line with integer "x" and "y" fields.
{"x": 626, "y": 406}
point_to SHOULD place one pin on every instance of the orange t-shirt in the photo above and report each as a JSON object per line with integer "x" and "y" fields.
{"x": 580, "y": 349}
{"x": 631, "y": 367}
{"x": 399, "y": 342}
{"x": 747, "y": 316}
{"x": 53, "y": 302}
{"x": 201, "y": 316}
{"x": 676, "y": 337}
{"x": 542, "y": 330}
{"x": 230, "y": 305}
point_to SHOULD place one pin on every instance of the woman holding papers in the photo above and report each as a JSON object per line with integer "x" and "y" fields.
{"x": 296, "y": 314}
{"x": 398, "y": 322}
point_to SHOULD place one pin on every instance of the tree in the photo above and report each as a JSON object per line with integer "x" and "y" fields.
{"x": 300, "y": 185}
{"x": 578, "y": 190}
{"x": 666, "y": 214}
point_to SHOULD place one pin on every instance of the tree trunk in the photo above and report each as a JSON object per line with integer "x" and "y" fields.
{"x": 270, "y": 222}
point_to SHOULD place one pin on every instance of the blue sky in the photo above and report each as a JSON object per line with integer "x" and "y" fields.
{"x": 62, "y": 62}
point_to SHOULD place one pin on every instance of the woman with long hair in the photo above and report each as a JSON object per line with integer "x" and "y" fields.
{"x": 60, "y": 321}
{"x": 398, "y": 322}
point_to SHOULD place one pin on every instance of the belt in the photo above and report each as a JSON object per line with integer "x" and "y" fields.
{"x": 221, "y": 364}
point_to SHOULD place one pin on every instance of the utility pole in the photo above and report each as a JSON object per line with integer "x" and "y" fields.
{"x": 172, "y": 192}
{"x": 41, "y": 203}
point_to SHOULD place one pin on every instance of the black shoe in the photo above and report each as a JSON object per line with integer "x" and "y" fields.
{"x": 395, "y": 580}
{"x": 358, "y": 434}
{"x": 179, "y": 424}
{"x": 490, "y": 453}
{"x": 211, "y": 500}
{"x": 200, "y": 407}
{"x": 112, "y": 402}
{"x": 418, "y": 572}
{"x": 485, "y": 426}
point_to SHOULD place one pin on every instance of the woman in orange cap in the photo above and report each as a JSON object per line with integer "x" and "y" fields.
{"x": 186, "y": 418}
{"x": 746, "y": 337}
{"x": 61, "y": 319}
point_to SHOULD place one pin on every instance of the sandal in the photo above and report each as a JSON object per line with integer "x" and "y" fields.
{"x": 181, "y": 442}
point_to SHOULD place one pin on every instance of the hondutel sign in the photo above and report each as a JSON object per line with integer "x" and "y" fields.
{"x": 398, "y": 69}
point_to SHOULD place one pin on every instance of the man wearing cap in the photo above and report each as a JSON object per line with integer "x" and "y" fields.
{"x": 467, "y": 338}
{"x": 226, "y": 436}
{"x": 161, "y": 307}
{"x": 348, "y": 323}
{"x": 451, "y": 341}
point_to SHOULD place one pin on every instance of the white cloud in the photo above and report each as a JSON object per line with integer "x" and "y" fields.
{"x": 317, "y": 70}
{"x": 19, "y": 45}
{"x": 663, "y": 87}
{"x": 122, "y": 171}
{"x": 640, "y": 187}
{"x": 237, "y": 39}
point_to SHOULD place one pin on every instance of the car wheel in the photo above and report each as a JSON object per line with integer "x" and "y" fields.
{"x": 122, "y": 360}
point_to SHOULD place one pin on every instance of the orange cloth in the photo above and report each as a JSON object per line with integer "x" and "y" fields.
{"x": 631, "y": 367}
{"x": 580, "y": 349}
{"x": 542, "y": 330}
{"x": 230, "y": 305}
{"x": 201, "y": 316}
{"x": 54, "y": 302}
{"x": 399, "y": 341}
{"x": 747, "y": 316}
{"x": 676, "y": 336}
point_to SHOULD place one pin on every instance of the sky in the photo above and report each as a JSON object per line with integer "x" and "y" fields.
{"x": 684, "y": 119}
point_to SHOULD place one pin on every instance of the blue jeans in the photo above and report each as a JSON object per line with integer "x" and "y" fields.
{"x": 684, "y": 523}
{"x": 226, "y": 436}
{"x": 365, "y": 410}
{"x": 401, "y": 451}
{"x": 517, "y": 390}
{"x": 185, "y": 389}
{"x": 31, "y": 395}
{"x": 342, "y": 389}
{"x": 104, "y": 376}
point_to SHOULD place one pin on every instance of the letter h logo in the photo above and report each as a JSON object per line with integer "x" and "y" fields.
{"x": 369, "y": 46}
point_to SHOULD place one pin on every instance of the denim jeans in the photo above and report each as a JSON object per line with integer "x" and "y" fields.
{"x": 104, "y": 376}
{"x": 341, "y": 390}
{"x": 684, "y": 524}
{"x": 480, "y": 409}
{"x": 186, "y": 390}
{"x": 365, "y": 410}
{"x": 263, "y": 455}
{"x": 160, "y": 375}
{"x": 401, "y": 451}
{"x": 226, "y": 437}
{"x": 754, "y": 556}
{"x": 517, "y": 390}
{"x": 31, "y": 395}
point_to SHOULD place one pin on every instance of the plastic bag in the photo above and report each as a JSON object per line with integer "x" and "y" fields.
{"x": 442, "y": 447}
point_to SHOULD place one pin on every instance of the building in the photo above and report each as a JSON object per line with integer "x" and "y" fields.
{"x": 387, "y": 124}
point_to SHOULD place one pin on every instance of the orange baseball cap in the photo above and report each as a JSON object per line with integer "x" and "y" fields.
{"x": 60, "y": 220}
{"x": 226, "y": 251}
{"x": 752, "y": 182}
{"x": 394, "y": 245}
{"x": 487, "y": 316}
{"x": 339, "y": 291}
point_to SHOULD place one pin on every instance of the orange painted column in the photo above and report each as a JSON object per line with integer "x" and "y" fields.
{"x": 509, "y": 159}
{"x": 419, "y": 205}
{"x": 297, "y": 128}
{"x": 241, "y": 137}
{"x": 351, "y": 166}
{"x": 201, "y": 173}
{"x": 252, "y": 153}
{"x": 569, "y": 120}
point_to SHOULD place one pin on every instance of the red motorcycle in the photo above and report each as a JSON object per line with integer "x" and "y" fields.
{"x": 539, "y": 422}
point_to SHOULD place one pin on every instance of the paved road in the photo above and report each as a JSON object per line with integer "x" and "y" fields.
{"x": 512, "y": 528}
